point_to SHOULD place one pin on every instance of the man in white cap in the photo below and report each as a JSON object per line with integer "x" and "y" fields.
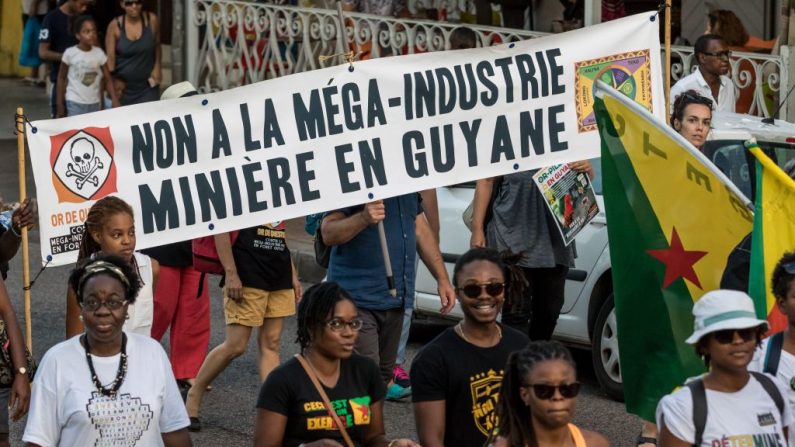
{"x": 728, "y": 405}
{"x": 180, "y": 90}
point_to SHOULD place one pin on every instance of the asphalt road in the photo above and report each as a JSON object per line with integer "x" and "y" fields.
{"x": 228, "y": 410}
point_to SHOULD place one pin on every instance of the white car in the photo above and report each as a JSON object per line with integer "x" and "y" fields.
{"x": 587, "y": 318}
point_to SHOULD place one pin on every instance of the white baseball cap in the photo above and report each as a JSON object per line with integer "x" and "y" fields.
{"x": 179, "y": 90}
{"x": 723, "y": 309}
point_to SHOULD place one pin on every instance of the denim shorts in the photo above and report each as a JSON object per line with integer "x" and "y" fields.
{"x": 76, "y": 108}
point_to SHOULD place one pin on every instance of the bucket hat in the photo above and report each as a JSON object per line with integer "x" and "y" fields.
{"x": 723, "y": 309}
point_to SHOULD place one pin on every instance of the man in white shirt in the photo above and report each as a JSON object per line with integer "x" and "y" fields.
{"x": 710, "y": 80}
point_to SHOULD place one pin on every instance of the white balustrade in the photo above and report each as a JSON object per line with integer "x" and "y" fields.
{"x": 239, "y": 42}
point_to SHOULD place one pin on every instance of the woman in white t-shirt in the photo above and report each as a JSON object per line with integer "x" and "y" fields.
{"x": 82, "y": 70}
{"x": 777, "y": 357}
{"x": 106, "y": 387}
{"x": 741, "y": 408}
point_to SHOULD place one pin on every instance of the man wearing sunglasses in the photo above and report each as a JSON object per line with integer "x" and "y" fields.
{"x": 55, "y": 37}
{"x": 711, "y": 78}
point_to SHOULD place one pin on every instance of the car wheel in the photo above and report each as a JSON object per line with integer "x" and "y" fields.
{"x": 604, "y": 351}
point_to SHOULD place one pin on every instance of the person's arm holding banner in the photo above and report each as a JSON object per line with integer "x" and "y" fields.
{"x": 339, "y": 229}
{"x": 480, "y": 204}
{"x": 25, "y": 215}
{"x": 428, "y": 249}
{"x": 232, "y": 283}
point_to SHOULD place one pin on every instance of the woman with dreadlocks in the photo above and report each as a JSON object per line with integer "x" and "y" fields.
{"x": 303, "y": 401}
{"x": 539, "y": 393}
{"x": 455, "y": 379}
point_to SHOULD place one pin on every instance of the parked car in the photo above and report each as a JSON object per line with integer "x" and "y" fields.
{"x": 587, "y": 318}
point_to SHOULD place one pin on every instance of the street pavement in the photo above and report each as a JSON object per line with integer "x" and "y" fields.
{"x": 228, "y": 410}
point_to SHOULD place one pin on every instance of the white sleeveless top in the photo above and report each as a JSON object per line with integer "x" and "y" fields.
{"x": 141, "y": 313}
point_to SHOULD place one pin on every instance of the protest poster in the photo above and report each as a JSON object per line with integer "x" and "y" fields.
{"x": 569, "y": 196}
{"x": 336, "y": 137}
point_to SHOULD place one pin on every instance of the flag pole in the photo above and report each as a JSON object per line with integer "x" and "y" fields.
{"x": 20, "y": 121}
{"x": 667, "y": 60}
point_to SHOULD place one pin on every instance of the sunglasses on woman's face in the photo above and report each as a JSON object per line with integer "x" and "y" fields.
{"x": 546, "y": 392}
{"x": 726, "y": 336}
{"x": 493, "y": 289}
{"x": 132, "y": 2}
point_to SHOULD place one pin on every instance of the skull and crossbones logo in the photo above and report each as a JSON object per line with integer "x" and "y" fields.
{"x": 86, "y": 162}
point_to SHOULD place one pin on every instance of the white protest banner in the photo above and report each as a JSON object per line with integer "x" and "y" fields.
{"x": 335, "y": 137}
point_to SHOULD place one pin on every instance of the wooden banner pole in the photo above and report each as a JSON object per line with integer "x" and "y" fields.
{"x": 20, "y": 121}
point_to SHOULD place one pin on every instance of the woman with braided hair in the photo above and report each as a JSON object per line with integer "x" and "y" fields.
{"x": 539, "y": 393}
{"x": 110, "y": 229}
{"x": 290, "y": 409}
{"x": 455, "y": 378}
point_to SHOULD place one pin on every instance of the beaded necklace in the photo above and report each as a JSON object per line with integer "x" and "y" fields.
{"x": 113, "y": 388}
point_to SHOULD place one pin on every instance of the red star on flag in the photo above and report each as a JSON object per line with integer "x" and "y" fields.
{"x": 678, "y": 261}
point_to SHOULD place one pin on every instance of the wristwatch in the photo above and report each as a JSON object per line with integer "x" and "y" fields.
{"x": 22, "y": 370}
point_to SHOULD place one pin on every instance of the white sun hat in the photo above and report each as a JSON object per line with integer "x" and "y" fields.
{"x": 723, "y": 309}
{"x": 179, "y": 90}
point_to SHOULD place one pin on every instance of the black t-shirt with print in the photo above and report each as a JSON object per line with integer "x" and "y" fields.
{"x": 289, "y": 391}
{"x": 262, "y": 258}
{"x": 467, "y": 378}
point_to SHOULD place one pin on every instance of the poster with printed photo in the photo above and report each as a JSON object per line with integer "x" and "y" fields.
{"x": 570, "y": 196}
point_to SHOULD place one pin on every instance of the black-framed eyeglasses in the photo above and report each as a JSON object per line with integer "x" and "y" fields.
{"x": 93, "y": 305}
{"x": 720, "y": 54}
{"x": 726, "y": 336}
{"x": 545, "y": 391}
{"x": 132, "y": 2}
{"x": 337, "y": 324}
{"x": 789, "y": 267}
{"x": 493, "y": 289}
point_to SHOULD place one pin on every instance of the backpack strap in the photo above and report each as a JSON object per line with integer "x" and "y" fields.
{"x": 771, "y": 388}
{"x": 699, "y": 409}
{"x": 773, "y": 353}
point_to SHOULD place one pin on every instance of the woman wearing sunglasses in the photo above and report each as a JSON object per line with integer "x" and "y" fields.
{"x": 455, "y": 378}
{"x": 739, "y": 408}
{"x": 539, "y": 393}
{"x": 106, "y": 386}
{"x": 304, "y": 400}
{"x": 132, "y": 44}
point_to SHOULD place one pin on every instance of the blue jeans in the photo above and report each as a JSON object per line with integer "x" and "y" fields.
{"x": 76, "y": 108}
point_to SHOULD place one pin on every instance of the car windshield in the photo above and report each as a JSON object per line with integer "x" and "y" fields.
{"x": 731, "y": 157}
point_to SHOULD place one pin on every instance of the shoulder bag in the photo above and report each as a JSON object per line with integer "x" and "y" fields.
{"x": 313, "y": 377}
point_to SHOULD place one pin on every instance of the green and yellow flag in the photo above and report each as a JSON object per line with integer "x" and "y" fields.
{"x": 774, "y": 233}
{"x": 673, "y": 219}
